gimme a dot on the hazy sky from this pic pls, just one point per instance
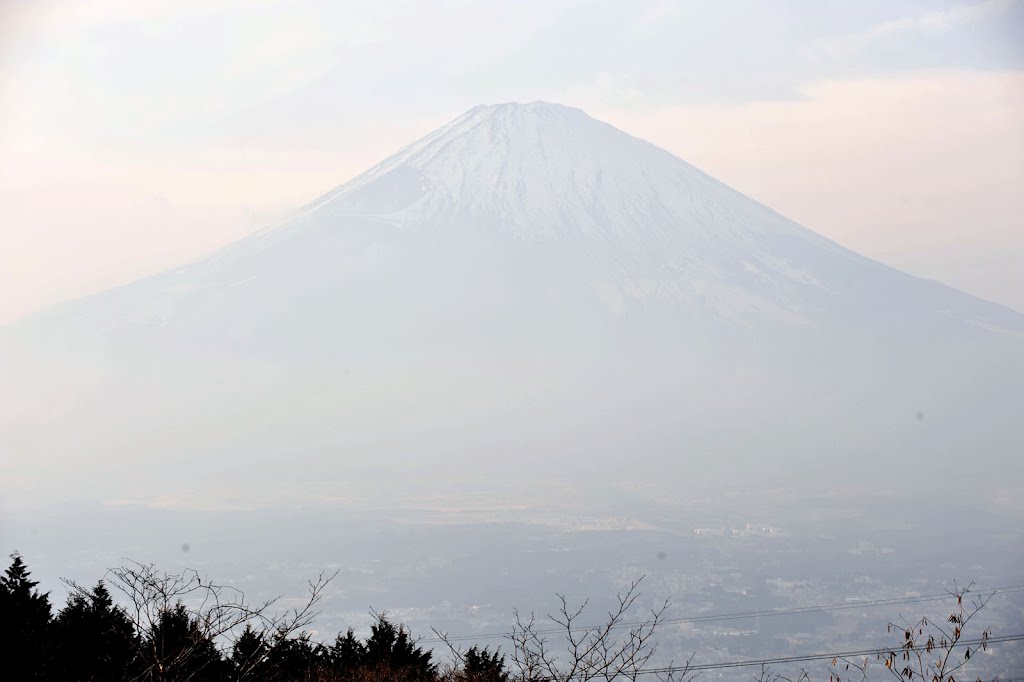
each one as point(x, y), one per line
point(137, 135)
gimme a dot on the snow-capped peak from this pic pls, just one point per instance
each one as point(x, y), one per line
point(545, 171)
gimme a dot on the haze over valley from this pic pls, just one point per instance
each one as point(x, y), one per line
point(531, 354)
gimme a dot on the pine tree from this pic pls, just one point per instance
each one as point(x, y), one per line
point(248, 655)
point(348, 653)
point(391, 651)
point(293, 659)
point(93, 639)
point(24, 624)
point(480, 665)
point(176, 648)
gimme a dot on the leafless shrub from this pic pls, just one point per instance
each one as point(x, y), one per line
point(217, 614)
point(614, 650)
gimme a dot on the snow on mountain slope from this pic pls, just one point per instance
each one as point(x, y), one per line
point(641, 224)
point(559, 190)
point(525, 282)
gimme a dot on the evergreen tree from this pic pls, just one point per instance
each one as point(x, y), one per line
point(294, 659)
point(24, 624)
point(348, 653)
point(176, 648)
point(480, 665)
point(391, 651)
point(248, 656)
point(93, 639)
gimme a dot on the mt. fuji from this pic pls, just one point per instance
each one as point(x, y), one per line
point(526, 293)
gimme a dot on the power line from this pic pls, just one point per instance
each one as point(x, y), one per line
point(816, 657)
point(767, 613)
point(806, 658)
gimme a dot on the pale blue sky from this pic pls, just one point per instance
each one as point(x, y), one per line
point(136, 135)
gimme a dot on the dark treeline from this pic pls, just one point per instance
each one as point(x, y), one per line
point(140, 624)
point(176, 635)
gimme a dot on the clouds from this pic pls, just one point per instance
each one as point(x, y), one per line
point(981, 35)
point(931, 24)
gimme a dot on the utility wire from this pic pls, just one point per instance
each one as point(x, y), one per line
point(714, 618)
point(816, 657)
point(806, 658)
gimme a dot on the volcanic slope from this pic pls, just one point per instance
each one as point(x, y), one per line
point(526, 293)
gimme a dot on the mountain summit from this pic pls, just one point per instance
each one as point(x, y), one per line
point(639, 225)
point(524, 284)
point(548, 173)
point(545, 171)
